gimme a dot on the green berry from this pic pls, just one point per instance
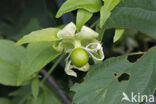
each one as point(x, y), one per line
point(79, 57)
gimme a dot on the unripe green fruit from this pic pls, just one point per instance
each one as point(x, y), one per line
point(79, 57)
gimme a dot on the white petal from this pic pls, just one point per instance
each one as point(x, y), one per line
point(95, 49)
point(87, 33)
point(83, 68)
point(94, 46)
point(68, 68)
point(67, 32)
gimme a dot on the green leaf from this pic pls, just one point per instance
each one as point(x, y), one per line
point(48, 34)
point(10, 59)
point(46, 97)
point(37, 55)
point(35, 88)
point(49, 97)
point(134, 14)
point(21, 92)
point(102, 85)
point(104, 15)
point(82, 17)
point(5, 101)
point(32, 25)
point(118, 34)
point(101, 33)
point(105, 11)
point(70, 5)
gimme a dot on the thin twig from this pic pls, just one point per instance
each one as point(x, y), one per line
point(94, 24)
point(136, 53)
point(54, 84)
point(52, 68)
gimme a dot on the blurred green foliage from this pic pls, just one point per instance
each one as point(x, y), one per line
point(20, 17)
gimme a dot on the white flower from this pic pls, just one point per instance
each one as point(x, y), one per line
point(85, 39)
point(87, 33)
point(67, 32)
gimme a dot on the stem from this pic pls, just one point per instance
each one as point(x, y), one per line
point(52, 68)
point(77, 43)
point(24, 99)
point(136, 53)
point(54, 84)
point(94, 24)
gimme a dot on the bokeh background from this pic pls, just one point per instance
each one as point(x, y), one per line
point(20, 17)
